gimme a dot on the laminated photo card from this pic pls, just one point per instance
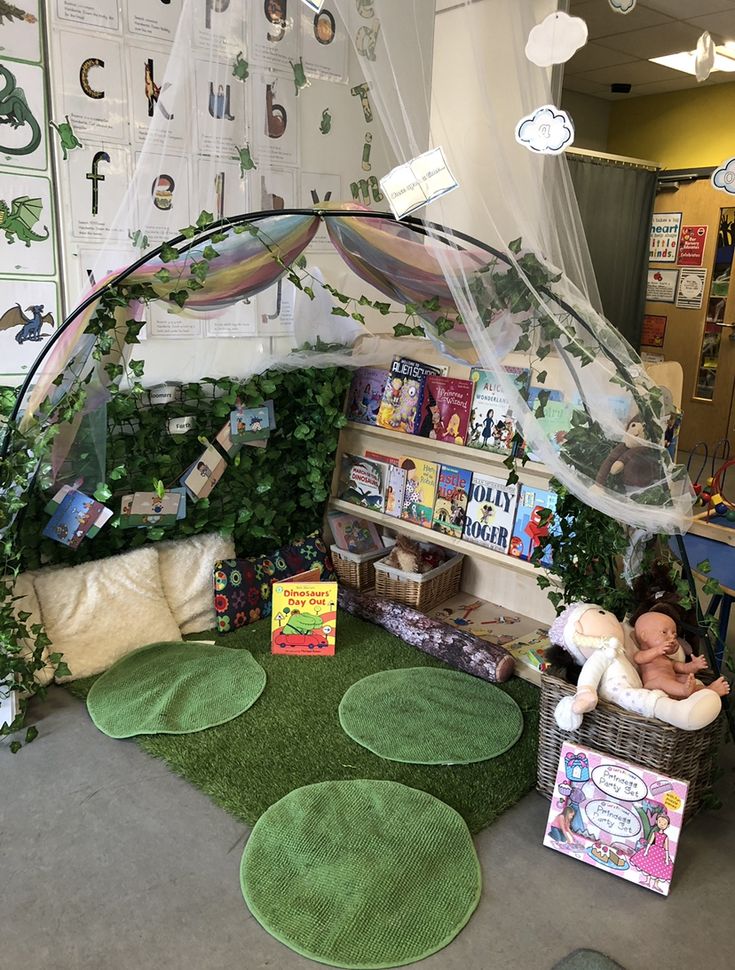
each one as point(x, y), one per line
point(616, 816)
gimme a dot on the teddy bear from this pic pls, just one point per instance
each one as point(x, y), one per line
point(596, 640)
point(633, 459)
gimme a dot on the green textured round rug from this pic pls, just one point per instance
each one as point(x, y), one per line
point(361, 874)
point(174, 688)
point(430, 716)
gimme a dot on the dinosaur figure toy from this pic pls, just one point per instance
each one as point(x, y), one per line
point(14, 111)
point(17, 222)
point(68, 139)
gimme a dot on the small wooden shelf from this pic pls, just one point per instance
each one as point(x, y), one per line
point(437, 538)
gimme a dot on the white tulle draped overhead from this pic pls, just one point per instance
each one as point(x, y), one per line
point(273, 106)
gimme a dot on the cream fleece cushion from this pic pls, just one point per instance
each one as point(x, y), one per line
point(186, 572)
point(97, 612)
point(23, 586)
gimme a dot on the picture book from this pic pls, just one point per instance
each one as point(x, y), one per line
point(492, 424)
point(554, 424)
point(616, 816)
point(529, 653)
point(145, 509)
point(8, 702)
point(452, 496)
point(365, 394)
point(489, 621)
point(419, 494)
point(490, 512)
point(400, 407)
point(362, 482)
point(72, 519)
point(386, 459)
point(92, 531)
point(532, 522)
point(445, 412)
point(395, 489)
point(353, 534)
point(204, 474)
point(249, 424)
point(304, 618)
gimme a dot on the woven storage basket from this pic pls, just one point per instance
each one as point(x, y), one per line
point(420, 590)
point(355, 569)
point(687, 755)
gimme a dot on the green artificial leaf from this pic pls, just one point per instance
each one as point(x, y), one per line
point(300, 262)
point(704, 567)
point(443, 325)
point(158, 487)
point(218, 237)
point(338, 311)
point(163, 275)
point(179, 297)
point(117, 472)
point(188, 232)
point(309, 292)
point(205, 219)
point(541, 377)
point(31, 734)
point(137, 367)
point(515, 246)
point(102, 493)
point(209, 252)
point(401, 330)
point(168, 254)
point(62, 670)
point(15, 747)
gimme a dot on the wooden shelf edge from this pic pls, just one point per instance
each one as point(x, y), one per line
point(438, 538)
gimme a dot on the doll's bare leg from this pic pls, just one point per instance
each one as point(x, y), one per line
point(720, 687)
point(672, 685)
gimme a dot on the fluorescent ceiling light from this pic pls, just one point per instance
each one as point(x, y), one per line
point(684, 61)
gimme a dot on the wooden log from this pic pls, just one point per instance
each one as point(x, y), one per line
point(459, 649)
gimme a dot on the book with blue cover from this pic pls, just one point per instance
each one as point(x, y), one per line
point(73, 518)
point(533, 522)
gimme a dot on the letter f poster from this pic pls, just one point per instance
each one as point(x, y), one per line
point(304, 618)
point(616, 816)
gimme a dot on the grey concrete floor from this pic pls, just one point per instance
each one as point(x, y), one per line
point(108, 861)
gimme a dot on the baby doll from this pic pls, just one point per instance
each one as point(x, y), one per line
point(661, 659)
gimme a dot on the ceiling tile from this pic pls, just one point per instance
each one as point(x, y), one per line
point(720, 25)
point(602, 21)
point(583, 86)
point(592, 55)
point(656, 41)
point(637, 72)
point(690, 9)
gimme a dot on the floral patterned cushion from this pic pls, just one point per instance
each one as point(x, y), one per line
point(242, 587)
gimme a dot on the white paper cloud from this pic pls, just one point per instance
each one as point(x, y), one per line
point(723, 178)
point(704, 60)
point(622, 6)
point(556, 39)
point(549, 130)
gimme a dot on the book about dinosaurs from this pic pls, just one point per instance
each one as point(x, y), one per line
point(533, 522)
point(446, 409)
point(304, 619)
point(452, 496)
point(366, 393)
point(400, 408)
point(490, 512)
point(362, 482)
point(492, 422)
point(419, 494)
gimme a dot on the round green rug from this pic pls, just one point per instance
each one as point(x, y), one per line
point(174, 688)
point(430, 716)
point(361, 874)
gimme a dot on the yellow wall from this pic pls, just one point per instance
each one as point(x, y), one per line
point(682, 129)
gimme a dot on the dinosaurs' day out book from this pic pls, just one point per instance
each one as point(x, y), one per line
point(452, 496)
point(446, 409)
point(400, 408)
point(362, 482)
point(304, 619)
point(366, 393)
point(533, 522)
point(419, 494)
point(490, 512)
point(492, 421)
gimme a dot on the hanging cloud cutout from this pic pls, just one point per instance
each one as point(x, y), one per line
point(622, 6)
point(704, 59)
point(556, 39)
point(723, 178)
point(548, 130)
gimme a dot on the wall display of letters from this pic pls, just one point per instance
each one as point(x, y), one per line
point(92, 85)
point(163, 195)
point(102, 14)
point(315, 189)
point(222, 188)
point(157, 21)
point(661, 285)
point(275, 308)
point(275, 113)
point(664, 242)
point(276, 190)
point(220, 102)
point(273, 32)
point(97, 181)
point(91, 271)
point(153, 98)
point(29, 314)
point(23, 135)
point(218, 27)
point(21, 37)
point(324, 44)
point(27, 231)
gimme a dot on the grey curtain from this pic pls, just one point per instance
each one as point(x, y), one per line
point(616, 203)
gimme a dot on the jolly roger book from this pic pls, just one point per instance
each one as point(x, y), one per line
point(491, 513)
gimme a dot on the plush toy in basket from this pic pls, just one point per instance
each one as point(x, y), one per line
point(411, 557)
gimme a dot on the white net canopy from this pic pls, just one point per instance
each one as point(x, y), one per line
point(281, 119)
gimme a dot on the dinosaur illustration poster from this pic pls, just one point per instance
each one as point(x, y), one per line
point(159, 104)
point(221, 189)
point(90, 14)
point(218, 27)
point(274, 33)
point(26, 226)
point(220, 108)
point(29, 315)
point(324, 43)
point(23, 128)
point(317, 188)
point(276, 111)
point(90, 81)
point(96, 183)
point(20, 32)
point(156, 21)
point(163, 200)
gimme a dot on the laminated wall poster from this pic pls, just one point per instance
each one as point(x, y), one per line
point(27, 232)
point(90, 73)
point(20, 37)
point(324, 43)
point(616, 816)
point(26, 142)
point(664, 241)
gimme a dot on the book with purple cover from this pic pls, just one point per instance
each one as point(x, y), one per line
point(366, 393)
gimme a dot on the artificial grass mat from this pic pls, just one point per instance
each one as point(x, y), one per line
point(292, 735)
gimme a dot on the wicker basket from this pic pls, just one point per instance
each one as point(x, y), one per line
point(687, 755)
point(420, 590)
point(355, 569)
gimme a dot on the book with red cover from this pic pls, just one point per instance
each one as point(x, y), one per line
point(446, 409)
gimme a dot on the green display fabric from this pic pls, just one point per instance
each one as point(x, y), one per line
point(430, 716)
point(361, 873)
point(174, 688)
point(587, 960)
point(292, 736)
